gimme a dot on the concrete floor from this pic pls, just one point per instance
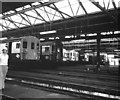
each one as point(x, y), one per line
point(18, 91)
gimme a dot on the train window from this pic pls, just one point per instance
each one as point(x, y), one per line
point(66, 55)
point(24, 44)
point(46, 49)
point(74, 54)
point(32, 45)
point(37, 46)
point(7, 44)
point(17, 45)
point(53, 48)
point(70, 55)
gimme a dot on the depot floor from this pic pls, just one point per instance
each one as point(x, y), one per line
point(19, 91)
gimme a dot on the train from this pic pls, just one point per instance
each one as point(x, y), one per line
point(29, 51)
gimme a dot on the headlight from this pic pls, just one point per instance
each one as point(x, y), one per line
point(17, 56)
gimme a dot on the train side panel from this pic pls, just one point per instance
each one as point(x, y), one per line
point(30, 49)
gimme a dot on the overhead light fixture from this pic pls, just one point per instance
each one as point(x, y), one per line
point(67, 36)
point(47, 32)
point(57, 38)
point(42, 39)
point(83, 35)
point(71, 36)
point(51, 38)
point(3, 38)
point(116, 32)
point(94, 34)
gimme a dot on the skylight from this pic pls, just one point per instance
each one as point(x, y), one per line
point(61, 9)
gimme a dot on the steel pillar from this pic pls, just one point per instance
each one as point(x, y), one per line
point(119, 55)
point(98, 51)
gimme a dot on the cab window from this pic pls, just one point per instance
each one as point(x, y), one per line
point(53, 48)
point(24, 44)
point(46, 49)
point(37, 46)
point(17, 45)
point(32, 45)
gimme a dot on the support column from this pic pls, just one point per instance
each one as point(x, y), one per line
point(59, 50)
point(9, 52)
point(119, 54)
point(98, 51)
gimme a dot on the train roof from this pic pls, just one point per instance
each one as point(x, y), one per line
point(15, 39)
point(10, 40)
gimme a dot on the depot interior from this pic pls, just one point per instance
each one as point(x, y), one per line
point(84, 33)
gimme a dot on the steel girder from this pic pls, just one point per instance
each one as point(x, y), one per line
point(80, 3)
point(28, 9)
point(103, 9)
point(58, 11)
point(48, 4)
point(98, 22)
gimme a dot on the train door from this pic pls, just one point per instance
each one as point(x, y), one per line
point(24, 49)
point(38, 50)
point(46, 52)
point(15, 50)
point(59, 51)
point(30, 48)
point(32, 51)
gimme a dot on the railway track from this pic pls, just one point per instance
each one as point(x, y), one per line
point(88, 70)
point(92, 69)
point(79, 74)
point(76, 73)
point(80, 86)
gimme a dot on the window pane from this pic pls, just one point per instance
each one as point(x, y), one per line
point(17, 45)
point(53, 48)
point(46, 49)
point(32, 45)
point(24, 44)
point(37, 46)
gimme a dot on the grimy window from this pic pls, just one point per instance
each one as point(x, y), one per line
point(17, 45)
point(24, 44)
point(32, 45)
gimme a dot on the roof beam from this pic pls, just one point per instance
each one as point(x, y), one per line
point(6, 23)
point(106, 24)
point(71, 7)
point(51, 13)
point(58, 11)
point(46, 13)
point(113, 2)
point(108, 5)
point(32, 16)
point(16, 22)
point(25, 19)
point(4, 26)
point(101, 8)
point(10, 20)
point(27, 9)
point(80, 3)
point(39, 14)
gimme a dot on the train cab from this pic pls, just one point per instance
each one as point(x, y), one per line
point(51, 51)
